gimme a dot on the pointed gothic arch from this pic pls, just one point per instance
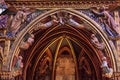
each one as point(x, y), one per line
point(29, 29)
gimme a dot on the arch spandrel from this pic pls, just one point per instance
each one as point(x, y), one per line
point(30, 28)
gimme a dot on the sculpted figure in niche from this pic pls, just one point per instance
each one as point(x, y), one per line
point(107, 70)
point(26, 44)
point(96, 42)
point(107, 19)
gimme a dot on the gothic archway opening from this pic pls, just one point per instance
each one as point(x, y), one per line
point(70, 41)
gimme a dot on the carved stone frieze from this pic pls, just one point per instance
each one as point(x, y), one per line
point(60, 4)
